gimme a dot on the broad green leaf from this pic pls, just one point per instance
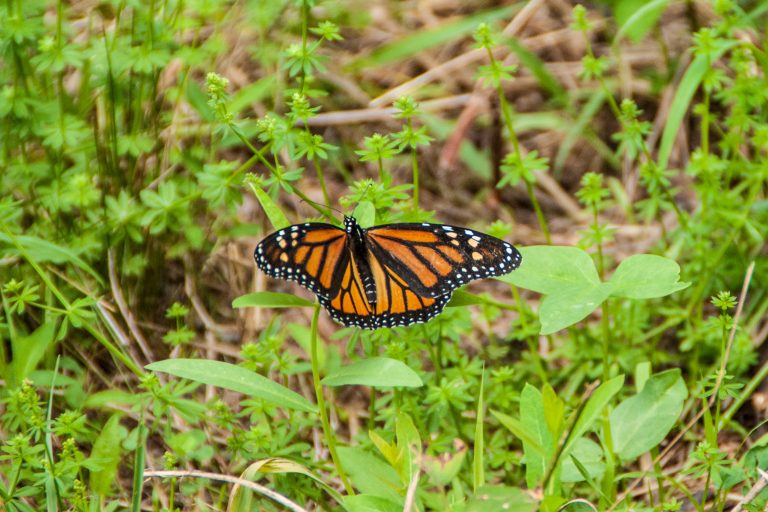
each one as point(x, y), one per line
point(275, 215)
point(646, 276)
point(42, 251)
point(270, 300)
point(590, 455)
point(371, 503)
point(642, 374)
point(682, 100)
point(106, 455)
point(493, 498)
point(443, 468)
point(534, 422)
point(408, 444)
point(29, 350)
point(302, 335)
point(554, 411)
point(111, 398)
point(642, 421)
point(637, 18)
point(365, 213)
point(569, 305)
point(548, 269)
point(380, 372)
point(461, 298)
point(369, 474)
point(592, 410)
point(519, 430)
point(236, 378)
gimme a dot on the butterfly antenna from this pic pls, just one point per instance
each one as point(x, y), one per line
point(321, 205)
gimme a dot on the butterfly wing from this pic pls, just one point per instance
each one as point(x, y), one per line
point(309, 254)
point(396, 302)
point(435, 259)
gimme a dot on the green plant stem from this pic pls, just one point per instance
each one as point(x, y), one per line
point(506, 111)
point(321, 179)
point(330, 439)
point(533, 346)
point(539, 213)
point(415, 168)
point(260, 155)
point(304, 40)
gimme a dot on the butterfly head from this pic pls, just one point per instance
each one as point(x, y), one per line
point(353, 228)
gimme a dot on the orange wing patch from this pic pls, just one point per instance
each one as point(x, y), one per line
point(306, 253)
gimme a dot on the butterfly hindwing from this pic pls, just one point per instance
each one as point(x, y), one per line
point(396, 302)
point(435, 259)
point(309, 254)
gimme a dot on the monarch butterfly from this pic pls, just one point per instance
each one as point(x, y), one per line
point(384, 276)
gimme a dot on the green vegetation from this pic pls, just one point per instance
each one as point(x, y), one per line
point(146, 147)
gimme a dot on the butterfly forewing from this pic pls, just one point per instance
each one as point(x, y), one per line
point(309, 254)
point(435, 259)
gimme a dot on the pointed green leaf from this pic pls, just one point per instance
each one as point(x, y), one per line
point(236, 378)
point(569, 305)
point(548, 269)
point(590, 455)
point(534, 422)
point(270, 300)
point(642, 421)
point(646, 276)
point(380, 372)
point(592, 410)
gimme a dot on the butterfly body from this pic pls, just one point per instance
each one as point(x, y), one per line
point(384, 276)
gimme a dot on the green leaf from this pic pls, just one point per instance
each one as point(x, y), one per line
point(236, 378)
point(275, 215)
point(371, 503)
point(519, 430)
point(642, 421)
point(547, 269)
point(461, 298)
point(637, 18)
point(365, 213)
point(493, 498)
point(592, 410)
point(554, 411)
point(42, 251)
point(682, 100)
point(408, 445)
point(478, 465)
point(369, 474)
point(569, 305)
point(533, 420)
point(29, 350)
point(380, 372)
point(646, 276)
point(242, 498)
point(270, 300)
point(106, 455)
point(590, 455)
